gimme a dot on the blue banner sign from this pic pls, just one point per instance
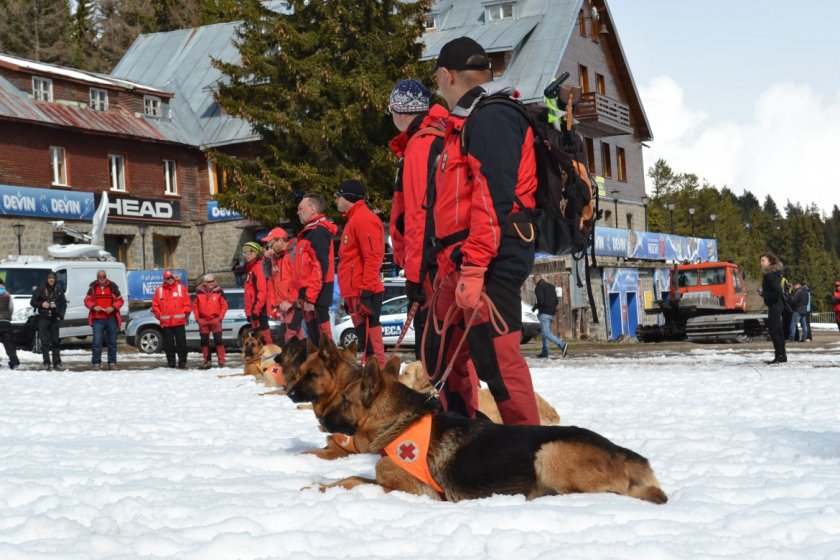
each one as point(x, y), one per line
point(216, 213)
point(46, 203)
point(143, 283)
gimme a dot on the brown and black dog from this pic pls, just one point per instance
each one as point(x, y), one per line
point(459, 458)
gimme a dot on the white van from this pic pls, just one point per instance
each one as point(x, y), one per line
point(23, 274)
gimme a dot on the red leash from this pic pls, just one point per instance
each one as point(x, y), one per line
point(408, 319)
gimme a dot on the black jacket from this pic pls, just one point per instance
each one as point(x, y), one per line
point(546, 298)
point(771, 284)
point(800, 299)
point(56, 296)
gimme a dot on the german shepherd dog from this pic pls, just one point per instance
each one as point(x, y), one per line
point(468, 459)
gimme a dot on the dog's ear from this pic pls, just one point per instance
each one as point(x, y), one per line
point(392, 367)
point(352, 347)
point(371, 382)
point(310, 348)
point(328, 352)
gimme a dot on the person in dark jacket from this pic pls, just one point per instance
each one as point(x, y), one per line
point(546, 307)
point(800, 302)
point(7, 335)
point(771, 291)
point(50, 304)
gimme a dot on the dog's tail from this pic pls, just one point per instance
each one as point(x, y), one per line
point(643, 483)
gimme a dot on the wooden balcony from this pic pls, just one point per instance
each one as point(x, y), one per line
point(599, 116)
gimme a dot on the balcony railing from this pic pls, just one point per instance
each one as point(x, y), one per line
point(599, 115)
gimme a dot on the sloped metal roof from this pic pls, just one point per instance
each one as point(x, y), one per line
point(17, 105)
point(181, 62)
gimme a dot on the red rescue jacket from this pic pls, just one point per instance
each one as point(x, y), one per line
point(476, 191)
point(255, 287)
point(280, 282)
point(210, 304)
point(107, 295)
point(171, 304)
point(360, 252)
point(836, 307)
point(313, 264)
point(418, 148)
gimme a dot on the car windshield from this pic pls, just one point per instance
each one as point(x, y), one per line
point(24, 281)
point(395, 306)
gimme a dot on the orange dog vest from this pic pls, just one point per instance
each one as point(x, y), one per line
point(410, 451)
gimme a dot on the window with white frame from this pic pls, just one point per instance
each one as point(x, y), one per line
point(42, 89)
point(151, 106)
point(98, 99)
point(116, 167)
point(58, 165)
point(170, 177)
point(431, 21)
point(499, 11)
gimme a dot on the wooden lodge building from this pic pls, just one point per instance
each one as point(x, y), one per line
point(141, 133)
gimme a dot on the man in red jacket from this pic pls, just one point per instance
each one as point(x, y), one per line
point(418, 146)
point(210, 309)
point(485, 237)
point(313, 266)
point(282, 303)
point(360, 254)
point(256, 294)
point(104, 301)
point(836, 301)
point(171, 307)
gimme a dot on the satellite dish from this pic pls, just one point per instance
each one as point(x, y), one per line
point(95, 246)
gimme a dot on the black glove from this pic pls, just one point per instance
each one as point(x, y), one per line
point(254, 318)
point(366, 303)
point(414, 292)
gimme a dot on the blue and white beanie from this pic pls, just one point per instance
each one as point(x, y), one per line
point(409, 96)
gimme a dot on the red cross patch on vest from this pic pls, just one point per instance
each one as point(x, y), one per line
point(410, 450)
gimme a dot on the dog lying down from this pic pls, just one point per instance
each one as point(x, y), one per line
point(444, 456)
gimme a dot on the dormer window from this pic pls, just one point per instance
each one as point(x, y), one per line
point(42, 89)
point(498, 12)
point(151, 106)
point(98, 99)
point(431, 21)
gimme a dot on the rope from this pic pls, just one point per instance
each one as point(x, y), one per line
point(408, 319)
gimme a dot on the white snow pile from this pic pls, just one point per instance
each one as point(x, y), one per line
point(160, 463)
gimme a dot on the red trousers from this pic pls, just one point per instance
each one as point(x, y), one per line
point(496, 357)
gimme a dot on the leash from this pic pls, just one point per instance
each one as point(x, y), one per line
point(408, 319)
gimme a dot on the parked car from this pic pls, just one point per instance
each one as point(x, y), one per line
point(394, 313)
point(143, 330)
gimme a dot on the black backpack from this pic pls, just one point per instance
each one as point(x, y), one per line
point(567, 195)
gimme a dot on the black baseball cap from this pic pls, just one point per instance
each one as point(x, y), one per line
point(462, 53)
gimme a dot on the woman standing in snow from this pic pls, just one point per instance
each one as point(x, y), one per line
point(771, 291)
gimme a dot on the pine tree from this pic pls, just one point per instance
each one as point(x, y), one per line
point(37, 30)
point(314, 85)
point(85, 52)
point(217, 11)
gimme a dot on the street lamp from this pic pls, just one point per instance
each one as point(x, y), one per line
point(713, 217)
point(645, 202)
point(615, 200)
point(200, 229)
point(671, 207)
point(691, 212)
point(18, 228)
point(142, 230)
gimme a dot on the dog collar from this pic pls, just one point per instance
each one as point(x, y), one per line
point(410, 450)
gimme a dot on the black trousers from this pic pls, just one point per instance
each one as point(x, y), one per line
point(50, 343)
point(777, 330)
point(7, 335)
point(175, 341)
point(317, 323)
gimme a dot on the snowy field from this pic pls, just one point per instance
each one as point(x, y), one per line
point(157, 463)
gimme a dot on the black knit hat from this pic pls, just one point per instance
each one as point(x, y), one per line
point(352, 190)
point(462, 53)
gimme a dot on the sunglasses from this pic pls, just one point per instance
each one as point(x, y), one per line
point(102, 277)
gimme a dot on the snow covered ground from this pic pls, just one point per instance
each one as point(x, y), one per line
point(156, 463)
